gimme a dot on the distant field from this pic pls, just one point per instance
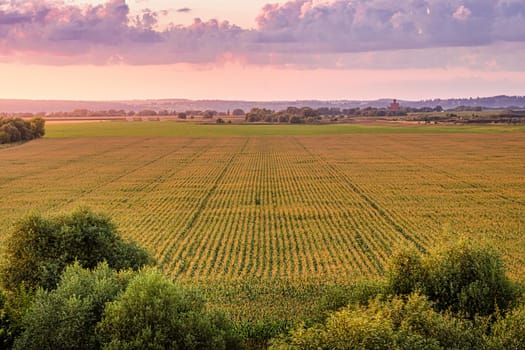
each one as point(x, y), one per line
point(170, 128)
point(290, 210)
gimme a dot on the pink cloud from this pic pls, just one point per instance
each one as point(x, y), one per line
point(293, 32)
point(462, 13)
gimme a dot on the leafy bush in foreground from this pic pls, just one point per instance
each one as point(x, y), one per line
point(65, 318)
point(509, 332)
point(465, 278)
point(39, 248)
point(154, 313)
point(397, 323)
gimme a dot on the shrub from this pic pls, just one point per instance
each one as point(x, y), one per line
point(65, 318)
point(154, 313)
point(406, 272)
point(38, 249)
point(465, 278)
point(470, 279)
point(509, 332)
point(17, 129)
point(6, 327)
point(398, 323)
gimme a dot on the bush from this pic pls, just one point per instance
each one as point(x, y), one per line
point(17, 129)
point(398, 323)
point(465, 278)
point(66, 317)
point(38, 249)
point(470, 279)
point(6, 327)
point(406, 272)
point(154, 313)
point(509, 332)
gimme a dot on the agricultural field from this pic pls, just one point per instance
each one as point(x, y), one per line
point(263, 219)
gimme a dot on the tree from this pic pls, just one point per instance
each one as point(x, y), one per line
point(146, 113)
point(209, 114)
point(39, 248)
point(296, 120)
point(65, 318)
point(509, 332)
point(395, 323)
point(154, 313)
point(465, 278)
point(17, 129)
point(6, 326)
point(38, 127)
point(238, 112)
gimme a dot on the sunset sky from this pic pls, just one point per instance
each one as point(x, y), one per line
point(240, 49)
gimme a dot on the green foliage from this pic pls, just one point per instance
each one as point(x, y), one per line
point(38, 127)
point(509, 332)
point(6, 327)
point(470, 279)
point(406, 272)
point(65, 318)
point(13, 306)
point(17, 129)
point(398, 323)
point(465, 278)
point(39, 248)
point(154, 313)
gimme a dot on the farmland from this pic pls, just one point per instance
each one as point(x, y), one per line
point(288, 209)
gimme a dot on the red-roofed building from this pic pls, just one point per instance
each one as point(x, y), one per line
point(394, 106)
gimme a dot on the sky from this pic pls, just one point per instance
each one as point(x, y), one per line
point(254, 50)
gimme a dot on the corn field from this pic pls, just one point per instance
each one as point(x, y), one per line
point(264, 225)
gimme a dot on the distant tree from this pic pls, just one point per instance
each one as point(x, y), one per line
point(17, 129)
point(181, 115)
point(209, 114)
point(38, 127)
point(39, 248)
point(308, 112)
point(296, 120)
point(238, 112)
point(283, 118)
point(146, 113)
point(269, 118)
point(220, 121)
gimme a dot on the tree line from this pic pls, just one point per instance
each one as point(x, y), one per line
point(18, 129)
point(254, 115)
point(307, 115)
point(70, 282)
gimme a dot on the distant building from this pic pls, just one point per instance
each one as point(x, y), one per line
point(394, 106)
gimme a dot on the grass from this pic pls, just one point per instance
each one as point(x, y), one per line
point(261, 222)
point(167, 128)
